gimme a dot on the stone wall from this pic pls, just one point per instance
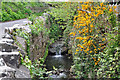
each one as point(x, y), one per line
point(38, 9)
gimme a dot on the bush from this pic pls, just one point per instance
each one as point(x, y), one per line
point(89, 39)
point(18, 10)
point(63, 14)
point(55, 31)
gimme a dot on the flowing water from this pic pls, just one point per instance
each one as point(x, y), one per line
point(58, 61)
point(61, 62)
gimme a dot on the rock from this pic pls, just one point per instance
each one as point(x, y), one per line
point(22, 72)
point(62, 75)
point(6, 71)
point(46, 20)
point(21, 41)
point(52, 76)
point(61, 70)
point(1, 43)
point(7, 36)
point(11, 58)
point(71, 69)
point(58, 44)
point(53, 50)
point(7, 40)
point(2, 62)
point(8, 53)
point(7, 47)
point(3, 74)
point(27, 22)
point(27, 29)
point(17, 26)
point(8, 29)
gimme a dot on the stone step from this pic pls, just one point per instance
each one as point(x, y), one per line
point(7, 47)
point(6, 68)
point(17, 26)
point(7, 36)
point(9, 53)
point(13, 28)
point(6, 71)
point(1, 42)
point(11, 58)
point(7, 40)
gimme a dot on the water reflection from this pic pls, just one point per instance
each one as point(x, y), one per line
point(59, 62)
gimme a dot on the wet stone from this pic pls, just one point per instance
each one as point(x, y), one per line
point(58, 45)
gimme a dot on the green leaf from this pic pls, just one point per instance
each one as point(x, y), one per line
point(54, 68)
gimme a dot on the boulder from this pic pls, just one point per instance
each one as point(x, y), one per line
point(53, 50)
point(58, 46)
point(22, 72)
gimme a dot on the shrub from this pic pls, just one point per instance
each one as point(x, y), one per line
point(89, 38)
point(18, 10)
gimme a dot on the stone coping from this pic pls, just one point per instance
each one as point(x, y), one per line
point(9, 53)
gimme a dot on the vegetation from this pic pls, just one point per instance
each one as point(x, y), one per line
point(94, 35)
point(90, 29)
point(93, 42)
point(37, 42)
point(18, 10)
point(36, 68)
point(36, 50)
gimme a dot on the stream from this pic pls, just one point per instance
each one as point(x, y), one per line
point(60, 62)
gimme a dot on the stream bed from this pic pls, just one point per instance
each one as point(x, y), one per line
point(60, 62)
